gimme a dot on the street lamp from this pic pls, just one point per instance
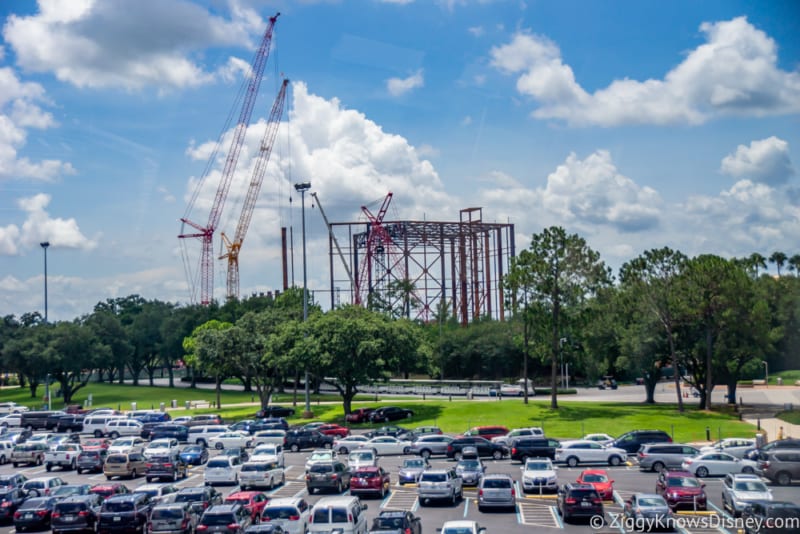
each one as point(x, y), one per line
point(766, 372)
point(301, 188)
point(44, 245)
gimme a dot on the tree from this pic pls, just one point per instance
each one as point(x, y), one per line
point(76, 352)
point(108, 329)
point(757, 261)
point(211, 348)
point(794, 264)
point(652, 277)
point(560, 273)
point(779, 259)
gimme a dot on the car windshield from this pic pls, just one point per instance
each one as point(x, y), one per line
point(750, 485)
point(414, 464)
point(365, 474)
point(434, 477)
point(159, 445)
point(66, 491)
point(70, 507)
point(193, 449)
point(118, 506)
point(537, 466)
point(469, 465)
point(320, 455)
point(497, 483)
point(683, 482)
point(652, 501)
point(213, 520)
point(265, 450)
point(387, 523)
point(595, 478)
point(279, 512)
point(238, 500)
point(117, 459)
point(189, 496)
point(361, 456)
point(218, 462)
point(457, 530)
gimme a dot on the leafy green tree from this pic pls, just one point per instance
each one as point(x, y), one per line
point(561, 272)
point(25, 352)
point(794, 264)
point(108, 329)
point(76, 351)
point(757, 261)
point(212, 349)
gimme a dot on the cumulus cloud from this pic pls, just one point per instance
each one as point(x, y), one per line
point(401, 86)
point(88, 44)
point(765, 160)
point(734, 72)
point(20, 110)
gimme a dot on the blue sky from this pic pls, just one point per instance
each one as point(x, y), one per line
point(635, 124)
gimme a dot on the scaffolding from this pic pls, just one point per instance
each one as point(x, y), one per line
point(425, 265)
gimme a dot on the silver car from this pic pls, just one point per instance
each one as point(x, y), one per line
point(440, 484)
point(173, 518)
point(496, 491)
point(430, 445)
point(411, 470)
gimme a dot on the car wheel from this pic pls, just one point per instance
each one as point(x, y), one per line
point(339, 487)
point(98, 433)
point(425, 453)
point(342, 450)
point(79, 470)
point(454, 498)
point(283, 479)
point(48, 467)
point(701, 472)
point(748, 470)
point(114, 435)
point(457, 456)
point(615, 460)
point(406, 450)
point(658, 467)
point(327, 446)
point(295, 447)
point(108, 477)
point(497, 455)
point(38, 460)
point(33, 493)
point(73, 466)
point(3, 460)
point(15, 464)
point(572, 461)
point(783, 478)
point(133, 474)
point(148, 479)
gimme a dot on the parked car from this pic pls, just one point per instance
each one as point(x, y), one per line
point(770, 517)
point(222, 470)
point(461, 526)
point(336, 431)
point(430, 445)
point(602, 439)
point(717, 463)
point(160, 447)
point(660, 456)
point(69, 490)
point(35, 513)
point(91, 444)
point(578, 501)
point(205, 420)
point(631, 441)
point(484, 447)
point(292, 514)
point(411, 470)
point(487, 432)
point(127, 444)
point(359, 415)
point(172, 518)
point(788, 443)
point(127, 512)
point(307, 439)
point(159, 493)
point(64, 456)
point(539, 475)
point(35, 420)
point(225, 518)
point(28, 454)
point(496, 491)
point(10, 500)
point(91, 460)
point(740, 490)
point(199, 497)
point(737, 447)
point(70, 423)
point(387, 430)
point(200, 434)
point(512, 435)
point(440, 484)
point(194, 455)
point(332, 475)
point(275, 411)
point(395, 521)
point(122, 427)
point(470, 470)
point(229, 440)
point(577, 452)
point(42, 486)
point(261, 475)
point(370, 481)
point(387, 445)
point(130, 465)
point(14, 480)
point(167, 466)
point(276, 436)
point(109, 489)
point(338, 514)
point(170, 430)
point(390, 413)
point(362, 458)
point(649, 509)
point(78, 513)
point(780, 466)
point(268, 452)
point(533, 447)
point(681, 490)
point(95, 423)
point(599, 480)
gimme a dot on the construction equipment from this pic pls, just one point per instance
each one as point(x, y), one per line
point(250, 88)
point(333, 237)
point(260, 170)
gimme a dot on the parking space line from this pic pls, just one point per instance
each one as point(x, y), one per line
point(556, 517)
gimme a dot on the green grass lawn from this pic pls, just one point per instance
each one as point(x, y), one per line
point(789, 377)
point(792, 417)
point(572, 419)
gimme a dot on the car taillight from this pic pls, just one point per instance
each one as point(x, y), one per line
point(349, 518)
point(407, 531)
point(167, 465)
point(513, 451)
point(571, 500)
point(597, 501)
point(5, 504)
point(56, 515)
point(17, 515)
point(449, 448)
point(41, 513)
point(205, 505)
point(148, 465)
point(233, 526)
point(513, 492)
point(641, 454)
point(83, 513)
point(295, 518)
point(202, 527)
point(480, 492)
point(334, 476)
point(669, 439)
point(688, 460)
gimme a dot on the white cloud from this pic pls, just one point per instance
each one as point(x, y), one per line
point(166, 196)
point(734, 72)
point(88, 43)
point(40, 226)
point(476, 31)
point(234, 69)
point(466, 121)
point(401, 86)
point(765, 160)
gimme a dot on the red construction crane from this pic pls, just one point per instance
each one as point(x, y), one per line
point(260, 170)
point(381, 262)
point(206, 233)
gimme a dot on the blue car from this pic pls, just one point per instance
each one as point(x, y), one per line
point(194, 455)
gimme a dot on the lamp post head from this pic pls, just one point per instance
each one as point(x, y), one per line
point(302, 187)
point(44, 244)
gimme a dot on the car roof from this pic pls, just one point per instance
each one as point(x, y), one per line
point(392, 513)
point(224, 508)
point(678, 474)
point(285, 501)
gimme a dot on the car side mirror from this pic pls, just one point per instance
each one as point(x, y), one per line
point(611, 481)
point(703, 485)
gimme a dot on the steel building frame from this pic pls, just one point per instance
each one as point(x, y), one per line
point(458, 263)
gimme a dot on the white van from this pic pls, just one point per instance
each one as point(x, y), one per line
point(96, 424)
point(122, 427)
point(342, 514)
point(200, 435)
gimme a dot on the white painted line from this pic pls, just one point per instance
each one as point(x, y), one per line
point(466, 506)
point(556, 517)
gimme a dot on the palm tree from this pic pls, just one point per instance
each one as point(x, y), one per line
point(779, 259)
point(794, 264)
point(756, 261)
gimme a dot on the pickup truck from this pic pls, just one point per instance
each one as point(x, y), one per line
point(64, 456)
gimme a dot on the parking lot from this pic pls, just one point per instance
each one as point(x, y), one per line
point(532, 511)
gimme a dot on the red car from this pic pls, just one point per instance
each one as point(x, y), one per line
point(96, 443)
point(360, 415)
point(334, 430)
point(254, 501)
point(598, 478)
point(681, 490)
point(370, 480)
point(110, 489)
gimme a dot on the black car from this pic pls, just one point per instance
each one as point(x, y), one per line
point(772, 517)
point(524, 448)
point(124, 513)
point(91, 461)
point(397, 521)
point(70, 423)
point(390, 413)
point(35, 420)
point(10, 500)
point(631, 441)
point(579, 500)
point(201, 497)
point(167, 430)
point(147, 429)
point(485, 448)
point(167, 466)
point(272, 423)
point(275, 411)
point(78, 513)
point(51, 421)
point(34, 513)
point(221, 517)
point(14, 480)
point(307, 439)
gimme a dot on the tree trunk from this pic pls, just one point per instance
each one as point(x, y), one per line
point(247, 381)
point(294, 392)
point(732, 392)
point(676, 370)
point(554, 364)
point(171, 377)
point(650, 391)
point(21, 380)
point(33, 386)
point(193, 377)
point(525, 357)
point(709, 385)
point(150, 373)
point(121, 375)
point(218, 381)
point(347, 398)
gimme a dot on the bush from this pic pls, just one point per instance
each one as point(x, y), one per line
point(541, 392)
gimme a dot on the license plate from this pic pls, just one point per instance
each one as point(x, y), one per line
point(117, 518)
point(29, 516)
point(69, 518)
point(585, 504)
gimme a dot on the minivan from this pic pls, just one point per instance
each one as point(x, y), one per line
point(631, 441)
point(343, 514)
point(96, 424)
point(780, 466)
point(658, 456)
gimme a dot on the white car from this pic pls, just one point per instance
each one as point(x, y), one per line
point(461, 526)
point(539, 475)
point(12, 420)
point(261, 475)
point(602, 439)
point(291, 513)
point(717, 463)
point(738, 491)
point(582, 451)
point(345, 445)
point(518, 433)
point(12, 407)
point(159, 493)
point(222, 470)
point(161, 446)
point(268, 452)
point(362, 458)
point(5, 451)
point(320, 455)
point(737, 447)
point(230, 440)
point(122, 427)
point(276, 436)
point(122, 445)
point(384, 445)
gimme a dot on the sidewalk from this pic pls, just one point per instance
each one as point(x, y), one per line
point(772, 427)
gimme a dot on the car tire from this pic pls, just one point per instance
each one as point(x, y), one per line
point(79, 470)
point(784, 478)
point(98, 433)
point(614, 461)
point(497, 455)
point(701, 472)
point(454, 498)
point(343, 450)
point(219, 446)
point(149, 479)
point(73, 466)
point(39, 460)
point(572, 461)
point(295, 447)
point(327, 445)
point(108, 477)
point(406, 450)
point(114, 435)
point(425, 454)
point(657, 467)
point(3, 460)
point(15, 464)
point(48, 467)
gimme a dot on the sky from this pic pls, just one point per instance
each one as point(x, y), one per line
point(636, 125)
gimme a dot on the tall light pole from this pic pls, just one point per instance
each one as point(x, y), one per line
point(301, 188)
point(44, 245)
point(766, 372)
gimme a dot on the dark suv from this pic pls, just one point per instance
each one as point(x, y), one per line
point(484, 447)
point(78, 513)
point(170, 430)
point(770, 517)
point(389, 413)
point(631, 441)
point(788, 443)
point(221, 517)
point(91, 461)
point(307, 439)
point(579, 500)
point(125, 513)
point(200, 497)
point(780, 466)
point(524, 448)
point(166, 466)
point(328, 475)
